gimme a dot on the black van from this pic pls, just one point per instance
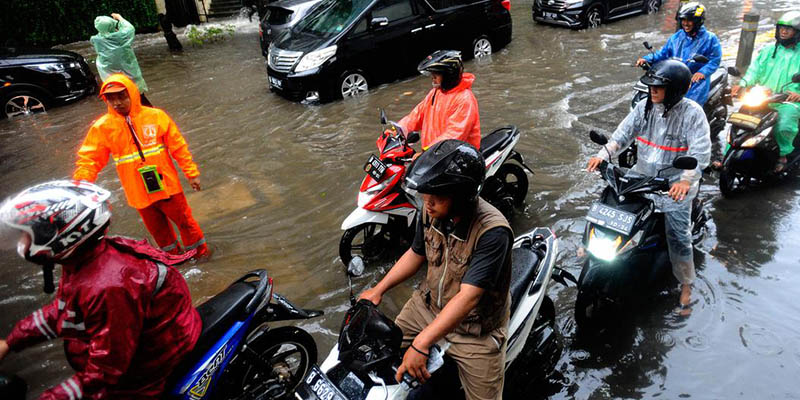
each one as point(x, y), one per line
point(344, 47)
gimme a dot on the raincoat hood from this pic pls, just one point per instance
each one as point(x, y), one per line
point(467, 80)
point(105, 25)
point(133, 92)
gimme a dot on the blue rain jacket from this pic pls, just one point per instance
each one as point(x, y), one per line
point(685, 47)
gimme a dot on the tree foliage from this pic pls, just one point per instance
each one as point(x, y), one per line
point(44, 23)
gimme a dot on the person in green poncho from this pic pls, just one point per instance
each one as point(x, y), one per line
point(774, 68)
point(114, 52)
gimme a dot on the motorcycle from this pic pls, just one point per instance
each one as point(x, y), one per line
point(716, 107)
point(626, 243)
point(386, 214)
point(363, 364)
point(753, 152)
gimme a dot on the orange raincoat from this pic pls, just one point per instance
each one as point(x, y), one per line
point(451, 114)
point(159, 138)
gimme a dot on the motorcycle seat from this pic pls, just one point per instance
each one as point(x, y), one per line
point(524, 266)
point(219, 312)
point(718, 75)
point(495, 140)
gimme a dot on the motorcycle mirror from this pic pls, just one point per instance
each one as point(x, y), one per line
point(647, 45)
point(796, 78)
point(383, 117)
point(355, 267)
point(413, 137)
point(598, 138)
point(734, 71)
point(685, 162)
point(699, 58)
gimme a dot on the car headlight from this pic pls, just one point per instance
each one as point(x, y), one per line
point(315, 59)
point(53, 68)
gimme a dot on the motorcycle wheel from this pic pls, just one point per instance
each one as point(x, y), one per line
point(586, 310)
point(514, 180)
point(727, 182)
point(370, 241)
point(270, 365)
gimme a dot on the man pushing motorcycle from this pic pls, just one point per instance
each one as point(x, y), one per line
point(124, 313)
point(465, 296)
point(665, 127)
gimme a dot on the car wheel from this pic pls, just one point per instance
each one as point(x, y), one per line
point(481, 47)
point(651, 6)
point(594, 17)
point(353, 84)
point(18, 104)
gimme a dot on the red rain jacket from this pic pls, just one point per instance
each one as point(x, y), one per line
point(126, 321)
point(451, 114)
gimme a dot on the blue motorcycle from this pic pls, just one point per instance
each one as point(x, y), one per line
point(237, 355)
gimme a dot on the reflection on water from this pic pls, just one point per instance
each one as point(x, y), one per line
point(280, 177)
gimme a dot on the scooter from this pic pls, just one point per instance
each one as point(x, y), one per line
point(238, 355)
point(753, 152)
point(626, 244)
point(386, 213)
point(363, 364)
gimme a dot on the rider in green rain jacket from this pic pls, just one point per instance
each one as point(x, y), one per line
point(774, 68)
point(114, 52)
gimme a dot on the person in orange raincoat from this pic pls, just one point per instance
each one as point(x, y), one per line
point(450, 110)
point(141, 140)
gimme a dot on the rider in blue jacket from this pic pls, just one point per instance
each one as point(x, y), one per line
point(691, 40)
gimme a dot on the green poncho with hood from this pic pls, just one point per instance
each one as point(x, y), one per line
point(114, 52)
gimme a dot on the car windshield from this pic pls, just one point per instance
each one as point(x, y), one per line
point(331, 17)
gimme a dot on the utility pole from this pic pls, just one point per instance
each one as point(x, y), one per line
point(747, 41)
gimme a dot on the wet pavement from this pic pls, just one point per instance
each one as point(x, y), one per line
point(280, 177)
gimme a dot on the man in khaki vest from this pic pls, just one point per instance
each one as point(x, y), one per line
point(465, 296)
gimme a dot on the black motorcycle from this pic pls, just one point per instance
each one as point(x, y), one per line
point(753, 153)
point(626, 243)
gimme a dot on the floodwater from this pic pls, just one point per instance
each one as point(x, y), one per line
point(279, 178)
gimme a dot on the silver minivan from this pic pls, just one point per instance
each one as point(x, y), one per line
point(281, 16)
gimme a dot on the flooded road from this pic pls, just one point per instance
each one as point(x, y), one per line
point(280, 177)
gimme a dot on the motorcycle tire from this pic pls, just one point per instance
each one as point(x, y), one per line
point(374, 245)
point(586, 310)
point(727, 182)
point(270, 365)
point(517, 188)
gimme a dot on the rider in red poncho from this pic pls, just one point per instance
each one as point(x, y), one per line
point(450, 110)
point(124, 313)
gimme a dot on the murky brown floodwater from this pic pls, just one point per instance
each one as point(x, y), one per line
point(280, 177)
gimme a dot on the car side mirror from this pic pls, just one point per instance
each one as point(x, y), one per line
point(796, 78)
point(379, 21)
point(647, 45)
point(734, 71)
point(383, 116)
point(598, 138)
point(413, 137)
point(355, 267)
point(685, 162)
point(699, 58)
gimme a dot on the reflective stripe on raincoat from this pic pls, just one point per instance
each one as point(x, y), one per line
point(159, 138)
point(126, 318)
point(685, 47)
point(451, 114)
point(114, 52)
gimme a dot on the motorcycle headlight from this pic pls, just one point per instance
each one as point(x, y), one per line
point(603, 248)
point(755, 140)
point(755, 96)
point(315, 59)
point(53, 67)
point(377, 188)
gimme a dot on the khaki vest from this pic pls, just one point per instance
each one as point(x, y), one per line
point(448, 260)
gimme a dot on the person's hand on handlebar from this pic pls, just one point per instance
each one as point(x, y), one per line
point(793, 97)
point(641, 62)
point(698, 77)
point(415, 363)
point(3, 349)
point(372, 294)
point(593, 164)
point(679, 189)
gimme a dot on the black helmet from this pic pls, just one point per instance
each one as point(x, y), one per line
point(450, 167)
point(792, 20)
point(445, 62)
point(672, 74)
point(694, 12)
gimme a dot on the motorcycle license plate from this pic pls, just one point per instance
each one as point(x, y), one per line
point(375, 168)
point(317, 384)
point(611, 218)
point(276, 82)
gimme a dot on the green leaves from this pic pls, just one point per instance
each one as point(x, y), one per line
point(209, 33)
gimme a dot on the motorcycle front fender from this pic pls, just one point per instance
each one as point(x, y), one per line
point(361, 216)
point(281, 309)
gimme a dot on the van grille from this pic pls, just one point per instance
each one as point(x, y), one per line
point(552, 5)
point(283, 60)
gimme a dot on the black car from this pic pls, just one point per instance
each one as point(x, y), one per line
point(589, 13)
point(32, 80)
point(344, 47)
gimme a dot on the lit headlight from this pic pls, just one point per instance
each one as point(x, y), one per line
point(755, 97)
point(52, 68)
point(603, 248)
point(315, 59)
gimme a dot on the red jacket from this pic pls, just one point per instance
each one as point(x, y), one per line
point(451, 114)
point(123, 332)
